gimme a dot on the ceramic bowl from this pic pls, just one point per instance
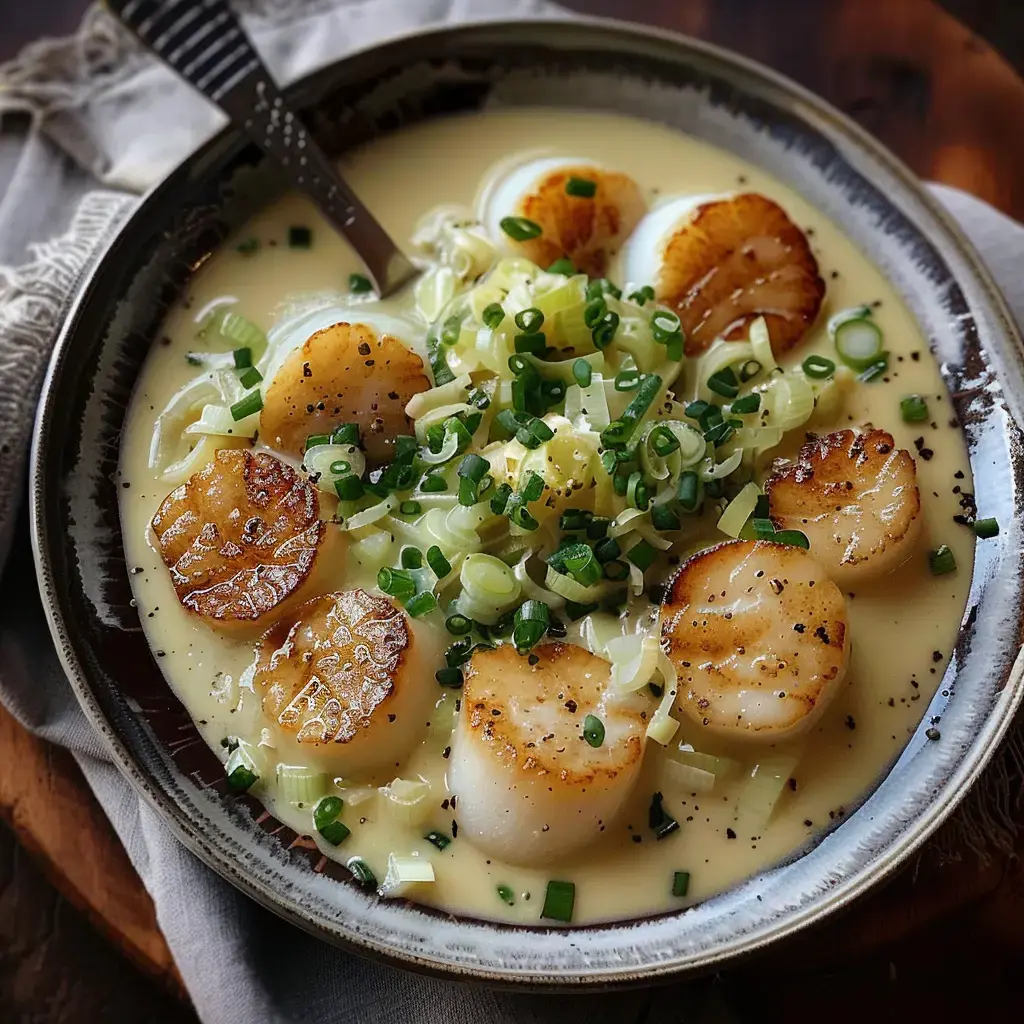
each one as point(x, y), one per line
point(691, 87)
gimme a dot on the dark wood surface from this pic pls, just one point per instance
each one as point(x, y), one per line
point(78, 937)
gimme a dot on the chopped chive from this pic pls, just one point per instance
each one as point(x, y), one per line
point(642, 295)
point(439, 565)
point(603, 334)
point(250, 378)
point(506, 895)
point(246, 406)
point(763, 527)
point(876, 369)
point(665, 326)
point(642, 555)
point(582, 188)
point(346, 433)
point(450, 677)
point(499, 499)
point(663, 441)
point(299, 237)
point(581, 564)
point(721, 432)
point(637, 493)
point(535, 344)
point(749, 370)
point(520, 229)
point(432, 483)
point(660, 821)
point(243, 358)
point(349, 488)
point(421, 604)
point(941, 561)
point(986, 528)
point(688, 491)
point(602, 286)
point(573, 519)
point(680, 883)
point(493, 315)
point(458, 625)
point(664, 518)
point(361, 873)
point(396, 582)
point(593, 730)
point(746, 404)
point(582, 372)
point(794, 538)
point(607, 550)
point(359, 284)
point(325, 819)
point(438, 839)
point(410, 508)
point(818, 367)
point(562, 266)
point(241, 778)
point(597, 528)
point(411, 557)
point(559, 899)
point(594, 311)
point(914, 409)
point(618, 433)
point(627, 380)
point(340, 467)
point(248, 246)
point(724, 383)
point(529, 320)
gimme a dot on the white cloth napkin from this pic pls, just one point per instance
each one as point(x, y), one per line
point(71, 114)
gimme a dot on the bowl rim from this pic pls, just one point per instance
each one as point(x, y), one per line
point(838, 129)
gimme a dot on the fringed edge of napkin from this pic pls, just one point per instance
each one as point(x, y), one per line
point(33, 300)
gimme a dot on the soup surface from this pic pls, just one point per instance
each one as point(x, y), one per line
point(753, 752)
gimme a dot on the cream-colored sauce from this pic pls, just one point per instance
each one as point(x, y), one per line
point(903, 626)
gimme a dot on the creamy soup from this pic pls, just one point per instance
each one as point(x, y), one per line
point(658, 800)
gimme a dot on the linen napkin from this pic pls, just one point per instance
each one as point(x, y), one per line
point(72, 114)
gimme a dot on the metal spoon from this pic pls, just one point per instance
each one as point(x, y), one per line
point(204, 43)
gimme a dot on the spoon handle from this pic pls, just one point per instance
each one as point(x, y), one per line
point(204, 43)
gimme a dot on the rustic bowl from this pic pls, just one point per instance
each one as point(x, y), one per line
point(693, 87)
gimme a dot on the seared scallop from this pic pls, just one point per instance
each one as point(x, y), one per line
point(734, 260)
point(530, 786)
point(339, 680)
point(584, 212)
point(759, 637)
point(240, 538)
point(855, 496)
point(346, 373)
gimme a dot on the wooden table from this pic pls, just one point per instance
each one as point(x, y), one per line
point(952, 108)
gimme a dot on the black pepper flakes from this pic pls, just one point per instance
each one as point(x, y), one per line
point(729, 834)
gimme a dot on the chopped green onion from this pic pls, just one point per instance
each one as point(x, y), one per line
point(421, 604)
point(746, 404)
point(432, 483)
point(250, 378)
point(499, 499)
point(594, 311)
point(941, 561)
point(493, 315)
point(520, 229)
point(531, 623)
point(241, 778)
point(562, 266)
point(660, 821)
point(616, 571)
point(688, 492)
point(299, 237)
point(724, 383)
point(627, 380)
point(582, 372)
point(349, 488)
point(663, 441)
point(410, 508)
point(451, 329)
point(581, 564)
point(680, 883)
point(582, 188)
point(346, 433)
point(325, 820)
point(458, 625)
point(818, 367)
point(875, 370)
point(601, 286)
point(573, 519)
point(722, 432)
point(764, 528)
point(361, 873)
point(619, 432)
point(438, 839)
point(316, 439)
point(642, 295)
point(794, 538)
point(340, 467)
point(665, 326)
point(534, 344)
point(506, 895)
point(858, 341)
point(637, 494)
point(439, 565)
point(411, 557)
point(986, 528)
point(246, 406)
point(664, 518)
point(607, 550)
point(558, 901)
point(396, 582)
point(450, 677)
point(243, 358)
point(529, 320)
point(914, 409)
point(749, 370)
point(603, 334)
point(438, 361)
point(248, 246)
point(593, 730)
point(578, 611)
point(642, 555)
point(359, 284)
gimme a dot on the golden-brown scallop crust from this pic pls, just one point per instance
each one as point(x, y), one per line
point(240, 538)
point(564, 684)
point(737, 259)
point(328, 673)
